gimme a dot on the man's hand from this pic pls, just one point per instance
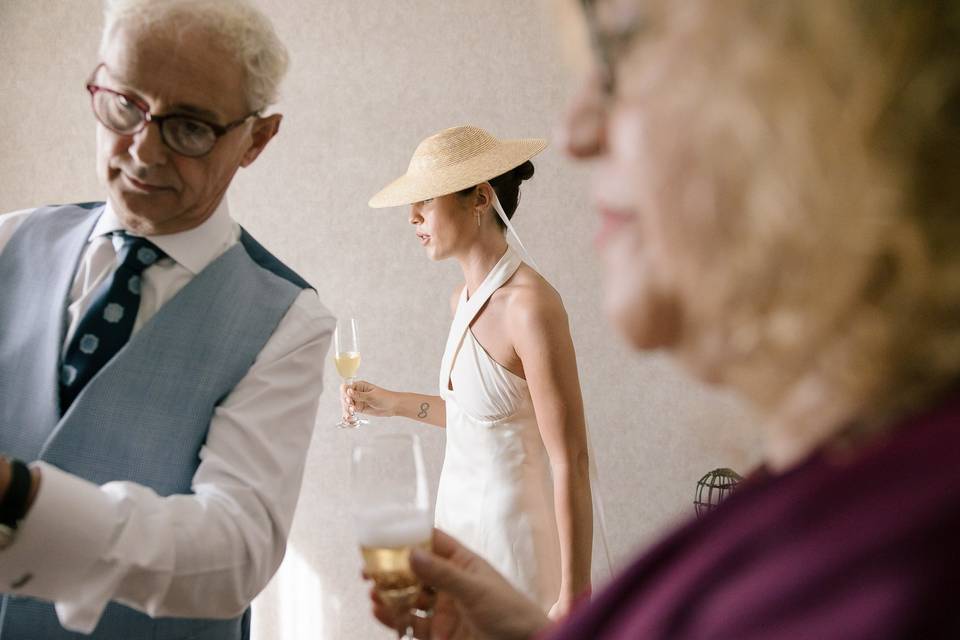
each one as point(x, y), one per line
point(473, 600)
point(5, 474)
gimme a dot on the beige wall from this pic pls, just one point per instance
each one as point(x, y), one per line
point(370, 78)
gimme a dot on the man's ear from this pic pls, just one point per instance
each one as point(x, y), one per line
point(263, 131)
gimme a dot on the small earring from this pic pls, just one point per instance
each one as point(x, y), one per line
point(478, 220)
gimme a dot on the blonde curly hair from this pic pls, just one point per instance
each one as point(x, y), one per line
point(809, 184)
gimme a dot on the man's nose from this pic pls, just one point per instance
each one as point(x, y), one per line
point(148, 146)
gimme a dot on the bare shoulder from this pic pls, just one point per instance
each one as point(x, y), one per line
point(532, 302)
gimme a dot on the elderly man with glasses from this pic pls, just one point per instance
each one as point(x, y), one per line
point(159, 369)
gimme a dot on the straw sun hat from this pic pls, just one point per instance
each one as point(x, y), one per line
point(452, 160)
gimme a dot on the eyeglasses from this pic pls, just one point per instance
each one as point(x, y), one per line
point(127, 116)
point(608, 46)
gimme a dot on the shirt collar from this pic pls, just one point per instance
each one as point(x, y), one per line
point(194, 248)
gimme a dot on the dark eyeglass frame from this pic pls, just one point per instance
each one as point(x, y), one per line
point(146, 118)
point(605, 44)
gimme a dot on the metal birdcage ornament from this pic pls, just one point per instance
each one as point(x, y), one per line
point(714, 488)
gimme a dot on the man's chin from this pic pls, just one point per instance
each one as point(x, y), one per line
point(144, 211)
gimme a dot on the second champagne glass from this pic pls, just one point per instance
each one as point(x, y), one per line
point(392, 514)
point(346, 355)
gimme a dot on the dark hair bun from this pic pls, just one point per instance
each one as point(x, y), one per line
point(524, 171)
point(507, 186)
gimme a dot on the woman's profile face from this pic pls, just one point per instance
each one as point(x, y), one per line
point(441, 225)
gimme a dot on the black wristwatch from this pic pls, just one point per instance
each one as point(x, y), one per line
point(14, 504)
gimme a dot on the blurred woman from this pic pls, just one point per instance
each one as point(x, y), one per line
point(777, 184)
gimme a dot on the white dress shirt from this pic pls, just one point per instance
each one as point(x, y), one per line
point(200, 555)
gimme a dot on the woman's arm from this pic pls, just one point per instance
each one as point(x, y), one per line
point(541, 336)
point(367, 398)
point(422, 408)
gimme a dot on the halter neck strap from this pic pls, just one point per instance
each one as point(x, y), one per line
point(506, 221)
point(468, 308)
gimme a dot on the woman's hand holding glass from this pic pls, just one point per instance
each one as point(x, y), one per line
point(364, 397)
point(472, 600)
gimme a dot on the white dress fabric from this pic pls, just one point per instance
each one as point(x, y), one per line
point(496, 493)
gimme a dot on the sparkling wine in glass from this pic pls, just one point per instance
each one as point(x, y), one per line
point(392, 515)
point(346, 356)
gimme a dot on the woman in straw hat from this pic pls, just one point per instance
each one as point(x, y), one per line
point(778, 184)
point(515, 482)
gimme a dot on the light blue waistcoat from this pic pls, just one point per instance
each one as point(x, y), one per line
point(145, 415)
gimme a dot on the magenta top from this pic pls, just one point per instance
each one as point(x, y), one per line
point(863, 545)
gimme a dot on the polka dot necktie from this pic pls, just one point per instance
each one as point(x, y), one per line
point(108, 322)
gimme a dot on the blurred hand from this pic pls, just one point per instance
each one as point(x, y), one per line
point(367, 398)
point(472, 600)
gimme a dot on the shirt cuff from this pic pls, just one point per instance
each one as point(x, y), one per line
point(57, 545)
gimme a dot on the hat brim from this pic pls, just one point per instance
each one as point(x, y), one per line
point(408, 188)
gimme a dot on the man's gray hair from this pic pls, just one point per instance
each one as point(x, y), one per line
point(238, 24)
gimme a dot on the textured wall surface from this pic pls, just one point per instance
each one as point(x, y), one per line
point(370, 78)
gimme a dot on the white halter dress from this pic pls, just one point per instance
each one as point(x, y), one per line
point(496, 493)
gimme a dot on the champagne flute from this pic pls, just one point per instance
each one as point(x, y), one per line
point(346, 356)
point(392, 515)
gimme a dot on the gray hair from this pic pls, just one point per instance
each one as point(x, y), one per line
point(241, 27)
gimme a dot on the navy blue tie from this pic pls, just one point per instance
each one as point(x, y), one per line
point(108, 322)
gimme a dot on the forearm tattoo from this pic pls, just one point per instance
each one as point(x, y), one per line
point(423, 410)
